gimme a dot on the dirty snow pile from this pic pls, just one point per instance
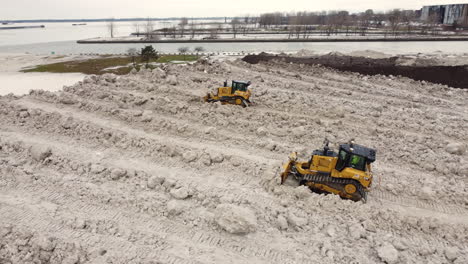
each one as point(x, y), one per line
point(137, 169)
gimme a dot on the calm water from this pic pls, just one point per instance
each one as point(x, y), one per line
point(60, 38)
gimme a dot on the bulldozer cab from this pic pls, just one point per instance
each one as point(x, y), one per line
point(239, 86)
point(354, 156)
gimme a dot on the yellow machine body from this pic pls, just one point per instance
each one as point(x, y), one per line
point(237, 94)
point(321, 173)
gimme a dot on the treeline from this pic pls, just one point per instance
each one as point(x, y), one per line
point(395, 21)
point(297, 25)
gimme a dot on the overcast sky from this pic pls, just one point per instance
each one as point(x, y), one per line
point(54, 9)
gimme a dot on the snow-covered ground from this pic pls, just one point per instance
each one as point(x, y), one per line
point(137, 169)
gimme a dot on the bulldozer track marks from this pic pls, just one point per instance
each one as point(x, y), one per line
point(337, 83)
point(89, 208)
point(135, 221)
point(136, 134)
point(58, 151)
point(412, 202)
point(234, 137)
point(52, 228)
point(374, 194)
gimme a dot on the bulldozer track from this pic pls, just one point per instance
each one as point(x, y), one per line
point(323, 179)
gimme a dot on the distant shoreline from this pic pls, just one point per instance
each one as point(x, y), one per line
point(122, 41)
point(106, 20)
point(20, 27)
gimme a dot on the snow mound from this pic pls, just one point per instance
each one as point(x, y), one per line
point(235, 219)
point(369, 54)
point(388, 253)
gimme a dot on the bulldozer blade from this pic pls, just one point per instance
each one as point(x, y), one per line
point(287, 170)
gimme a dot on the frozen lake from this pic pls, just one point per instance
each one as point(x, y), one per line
point(60, 38)
point(21, 83)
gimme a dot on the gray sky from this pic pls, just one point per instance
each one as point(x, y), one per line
point(53, 9)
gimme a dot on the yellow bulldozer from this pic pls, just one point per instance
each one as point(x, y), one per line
point(238, 94)
point(346, 173)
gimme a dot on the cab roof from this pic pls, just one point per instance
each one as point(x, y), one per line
point(360, 150)
point(241, 82)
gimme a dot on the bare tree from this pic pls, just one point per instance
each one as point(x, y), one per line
point(379, 19)
point(193, 29)
point(365, 21)
point(246, 19)
point(199, 49)
point(213, 33)
point(136, 27)
point(111, 27)
point(302, 22)
point(182, 24)
point(246, 23)
point(292, 26)
point(394, 19)
point(407, 17)
point(330, 22)
point(297, 21)
point(173, 31)
point(353, 21)
point(133, 53)
point(433, 23)
point(271, 19)
point(342, 20)
point(165, 31)
point(183, 50)
point(235, 26)
point(254, 21)
point(149, 28)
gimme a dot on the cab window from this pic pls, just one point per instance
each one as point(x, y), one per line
point(342, 158)
point(238, 87)
point(235, 86)
point(357, 162)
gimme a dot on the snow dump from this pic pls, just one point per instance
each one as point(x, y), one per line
point(422, 60)
point(418, 60)
point(369, 54)
point(305, 53)
point(358, 53)
point(137, 169)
